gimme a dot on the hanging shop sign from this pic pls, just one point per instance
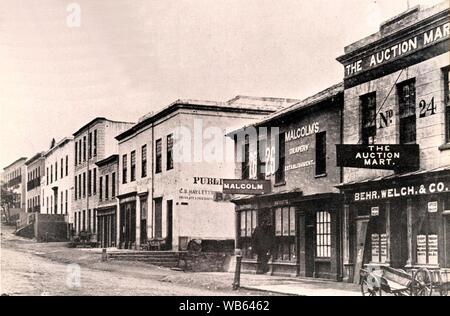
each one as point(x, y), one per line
point(248, 187)
point(375, 211)
point(388, 157)
point(432, 207)
point(402, 191)
point(397, 50)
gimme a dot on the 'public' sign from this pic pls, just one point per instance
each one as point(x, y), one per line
point(250, 187)
point(389, 157)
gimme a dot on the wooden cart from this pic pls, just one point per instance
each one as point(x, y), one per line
point(399, 282)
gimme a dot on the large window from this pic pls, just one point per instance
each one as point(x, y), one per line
point(62, 167)
point(368, 121)
point(56, 171)
point(144, 161)
point(407, 111)
point(76, 188)
point(169, 152)
point(80, 149)
point(133, 166)
point(67, 165)
point(90, 145)
point(248, 222)
point(100, 189)
point(124, 168)
point(427, 234)
point(84, 148)
point(285, 233)
point(76, 153)
point(447, 104)
point(323, 235)
point(280, 173)
point(321, 153)
point(158, 150)
point(79, 186)
point(84, 184)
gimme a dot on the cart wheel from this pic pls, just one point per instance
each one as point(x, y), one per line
point(423, 283)
point(370, 286)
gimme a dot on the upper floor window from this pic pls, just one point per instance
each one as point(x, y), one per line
point(84, 148)
point(447, 104)
point(280, 173)
point(124, 169)
point(407, 111)
point(90, 145)
point(95, 143)
point(170, 152)
point(106, 187)
point(321, 153)
point(133, 166)
point(67, 165)
point(158, 150)
point(246, 162)
point(100, 189)
point(94, 186)
point(262, 144)
point(144, 161)
point(56, 170)
point(62, 167)
point(80, 149)
point(113, 185)
point(76, 153)
point(368, 122)
point(89, 182)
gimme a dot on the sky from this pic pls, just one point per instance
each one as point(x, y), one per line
point(121, 59)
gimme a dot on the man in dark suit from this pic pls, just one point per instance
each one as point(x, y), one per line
point(262, 244)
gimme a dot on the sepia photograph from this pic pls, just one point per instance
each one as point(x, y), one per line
point(224, 153)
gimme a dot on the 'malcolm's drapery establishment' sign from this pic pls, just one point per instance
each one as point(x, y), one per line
point(398, 49)
point(389, 157)
point(248, 187)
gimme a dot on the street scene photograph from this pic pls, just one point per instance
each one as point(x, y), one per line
point(224, 153)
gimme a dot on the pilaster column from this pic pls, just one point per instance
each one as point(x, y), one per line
point(388, 232)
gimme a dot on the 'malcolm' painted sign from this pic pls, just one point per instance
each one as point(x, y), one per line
point(389, 157)
point(248, 187)
point(398, 49)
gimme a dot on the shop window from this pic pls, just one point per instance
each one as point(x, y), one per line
point(133, 166)
point(248, 221)
point(285, 234)
point(144, 161)
point(321, 153)
point(280, 173)
point(169, 163)
point(447, 104)
point(407, 111)
point(246, 163)
point(427, 235)
point(158, 164)
point(377, 235)
point(368, 114)
point(323, 235)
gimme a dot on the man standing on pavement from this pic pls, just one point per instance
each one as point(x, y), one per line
point(262, 244)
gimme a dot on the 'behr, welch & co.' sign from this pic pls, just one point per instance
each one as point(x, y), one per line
point(250, 187)
point(389, 157)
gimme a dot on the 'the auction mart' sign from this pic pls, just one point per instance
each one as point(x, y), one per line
point(250, 187)
point(389, 157)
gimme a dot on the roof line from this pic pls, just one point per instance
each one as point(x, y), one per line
point(21, 158)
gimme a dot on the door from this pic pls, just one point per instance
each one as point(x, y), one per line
point(169, 225)
point(158, 218)
point(309, 246)
point(143, 220)
point(399, 234)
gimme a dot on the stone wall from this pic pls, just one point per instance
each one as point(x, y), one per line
point(205, 261)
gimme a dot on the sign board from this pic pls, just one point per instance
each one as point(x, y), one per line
point(402, 191)
point(375, 211)
point(397, 50)
point(248, 187)
point(432, 207)
point(388, 157)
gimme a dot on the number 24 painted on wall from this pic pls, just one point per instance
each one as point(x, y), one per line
point(427, 109)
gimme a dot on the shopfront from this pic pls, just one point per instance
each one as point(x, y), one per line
point(305, 234)
point(106, 226)
point(400, 221)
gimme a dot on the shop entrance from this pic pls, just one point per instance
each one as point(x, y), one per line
point(399, 234)
point(169, 225)
point(128, 225)
point(309, 246)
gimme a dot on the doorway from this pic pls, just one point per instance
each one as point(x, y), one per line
point(169, 238)
point(128, 224)
point(309, 246)
point(399, 234)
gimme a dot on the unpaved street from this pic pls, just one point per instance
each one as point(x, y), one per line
point(27, 270)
